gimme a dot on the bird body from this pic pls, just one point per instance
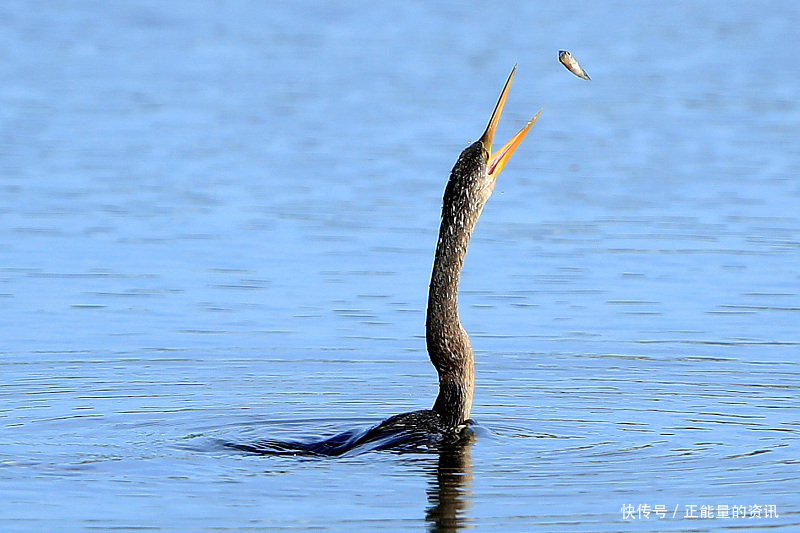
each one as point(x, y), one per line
point(471, 183)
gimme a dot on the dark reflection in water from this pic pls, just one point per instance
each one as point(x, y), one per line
point(450, 494)
point(449, 491)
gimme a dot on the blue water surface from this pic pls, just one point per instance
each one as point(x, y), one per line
point(217, 224)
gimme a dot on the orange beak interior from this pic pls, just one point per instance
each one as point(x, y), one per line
point(498, 159)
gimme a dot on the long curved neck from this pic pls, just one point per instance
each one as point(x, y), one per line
point(447, 341)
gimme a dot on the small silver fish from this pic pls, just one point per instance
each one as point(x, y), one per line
point(572, 64)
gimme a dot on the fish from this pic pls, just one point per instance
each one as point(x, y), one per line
point(572, 64)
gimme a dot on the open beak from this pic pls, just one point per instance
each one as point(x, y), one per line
point(498, 159)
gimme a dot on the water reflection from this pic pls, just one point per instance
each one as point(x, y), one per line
point(450, 480)
point(450, 484)
point(450, 492)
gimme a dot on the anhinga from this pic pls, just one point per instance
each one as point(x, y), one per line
point(472, 181)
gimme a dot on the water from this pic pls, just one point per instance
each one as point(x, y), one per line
point(218, 220)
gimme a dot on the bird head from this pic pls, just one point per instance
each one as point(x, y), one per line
point(475, 173)
point(496, 161)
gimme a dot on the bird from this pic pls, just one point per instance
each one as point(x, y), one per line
point(472, 181)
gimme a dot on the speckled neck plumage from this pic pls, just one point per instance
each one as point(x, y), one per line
point(471, 183)
point(448, 343)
